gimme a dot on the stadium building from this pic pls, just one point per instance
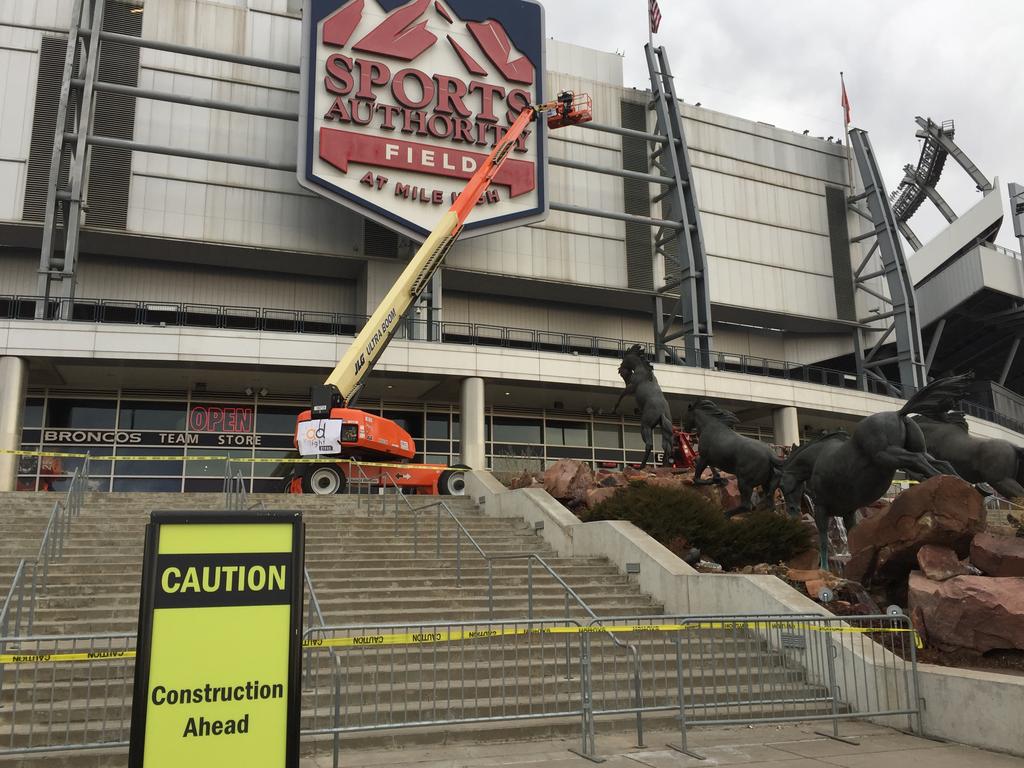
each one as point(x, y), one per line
point(169, 288)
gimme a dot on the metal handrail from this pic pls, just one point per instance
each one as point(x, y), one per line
point(51, 547)
point(9, 601)
point(492, 559)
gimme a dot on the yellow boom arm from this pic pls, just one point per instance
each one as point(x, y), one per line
point(359, 360)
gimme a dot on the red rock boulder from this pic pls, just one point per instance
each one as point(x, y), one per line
point(944, 511)
point(568, 480)
point(972, 613)
point(940, 563)
point(998, 555)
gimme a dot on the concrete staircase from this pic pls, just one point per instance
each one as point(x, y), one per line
point(365, 575)
point(364, 572)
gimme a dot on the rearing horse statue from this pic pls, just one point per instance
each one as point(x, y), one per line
point(638, 375)
point(850, 474)
point(753, 462)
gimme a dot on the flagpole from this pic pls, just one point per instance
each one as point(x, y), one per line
point(650, 26)
point(846, 127)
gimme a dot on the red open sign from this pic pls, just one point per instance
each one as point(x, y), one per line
point(219, 418)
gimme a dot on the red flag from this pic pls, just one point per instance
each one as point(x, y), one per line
point(655, 12)
point(845, 100)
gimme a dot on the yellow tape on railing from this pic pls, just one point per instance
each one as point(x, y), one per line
point(463, 635)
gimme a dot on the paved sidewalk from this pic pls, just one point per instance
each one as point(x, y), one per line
point(788, 746)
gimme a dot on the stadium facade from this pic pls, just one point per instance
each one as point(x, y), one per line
point(205, 296)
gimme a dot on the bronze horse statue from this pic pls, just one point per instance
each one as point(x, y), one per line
point(997, 462)
point(752, 462)
point(799, 465)
point(638, 375)
point(854, 473)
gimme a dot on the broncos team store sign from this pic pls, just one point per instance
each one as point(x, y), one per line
point(403, 99)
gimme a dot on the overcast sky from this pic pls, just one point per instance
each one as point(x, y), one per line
point(779, 62)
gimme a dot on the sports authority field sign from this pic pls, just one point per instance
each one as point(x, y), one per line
point(403, 99)
point(220, 624)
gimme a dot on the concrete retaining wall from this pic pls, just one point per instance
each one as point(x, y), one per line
point(992, 700)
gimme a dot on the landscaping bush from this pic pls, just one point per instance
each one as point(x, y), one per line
point(681, 518)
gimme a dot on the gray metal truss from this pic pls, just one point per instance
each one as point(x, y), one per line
point(900, 307)
point(919, 181)
point(943, 136)
point(682, 306)
point(57, 265)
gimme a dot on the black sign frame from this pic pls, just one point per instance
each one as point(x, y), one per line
point(144, 644)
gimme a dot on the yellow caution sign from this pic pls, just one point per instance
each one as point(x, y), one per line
point(218, 651)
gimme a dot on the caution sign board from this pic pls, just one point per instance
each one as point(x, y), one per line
point(220, 631)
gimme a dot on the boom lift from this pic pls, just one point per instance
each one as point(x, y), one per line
point(332, 427)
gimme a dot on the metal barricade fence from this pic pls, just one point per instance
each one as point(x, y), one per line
point(731, 670)
point(712, 670)
point(52, 703)
point(438, 674)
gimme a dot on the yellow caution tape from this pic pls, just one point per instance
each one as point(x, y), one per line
point(462, 635)
point(229, 459)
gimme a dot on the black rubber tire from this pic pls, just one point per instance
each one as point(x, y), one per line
point(452, 481)
point(324, 480)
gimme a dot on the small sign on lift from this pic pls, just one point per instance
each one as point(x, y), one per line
point(218, 651)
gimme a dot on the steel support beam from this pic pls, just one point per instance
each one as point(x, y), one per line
point(940, 203)
point(908, 233)
point(47, 265)
point(650, 178)
point(932, 130)
point(934, 346)
point(909, 348)
point(81, 149)
point(614, 215)
point(216, 157)
point(627, 132)
point(682, 258)
point(187, 50)
point(1009, 362)
point(192, 101)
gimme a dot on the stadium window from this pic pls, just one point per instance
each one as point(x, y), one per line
point(159, 416)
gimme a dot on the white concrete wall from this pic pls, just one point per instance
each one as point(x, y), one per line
point(18, 274)
point(129, 343)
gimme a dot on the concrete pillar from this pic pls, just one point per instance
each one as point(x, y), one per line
point(13, 382)
point(472, 419)
point(787, 426)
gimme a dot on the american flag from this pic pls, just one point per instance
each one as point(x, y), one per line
point(844, 101)
point(655, 15)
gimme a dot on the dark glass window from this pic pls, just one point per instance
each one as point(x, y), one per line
point(153, 467)
point(81, 414)
point(607, 435)
point(277, 419)
point(159, 416)
point(438, 426)
point(575, 433)
point(32, 418)
point(147, 484)
point(508, 430)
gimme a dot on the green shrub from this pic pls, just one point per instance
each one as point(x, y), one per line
point(680, 518)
